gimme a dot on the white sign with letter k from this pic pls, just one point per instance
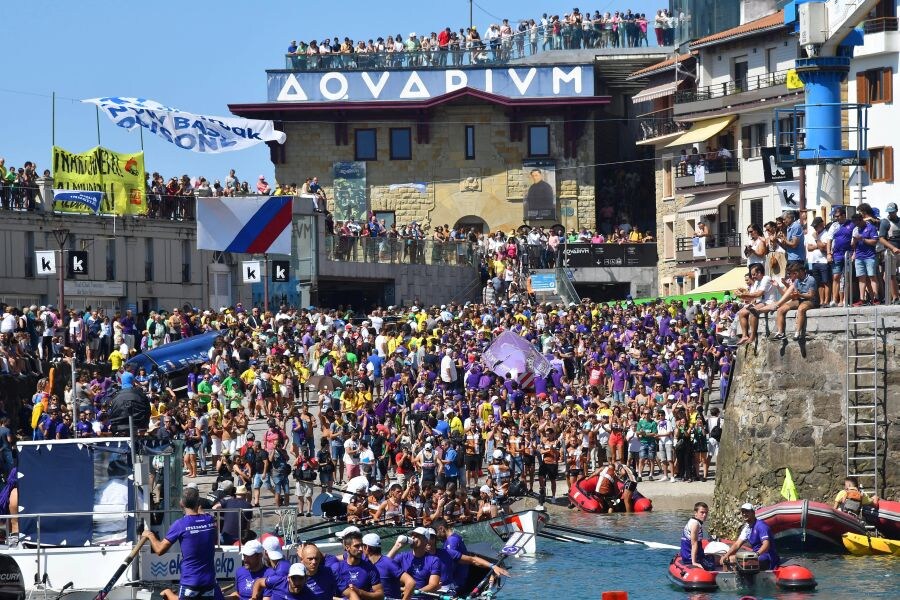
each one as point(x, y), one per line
point(252, 271)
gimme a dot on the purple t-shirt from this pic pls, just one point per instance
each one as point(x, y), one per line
point(243, 581)
point(364, 576)
point(389, 572)
point(421, 569)
point(618, 377)
point(455, 548)
point(198, 536)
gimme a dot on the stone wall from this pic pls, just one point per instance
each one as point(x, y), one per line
point(787, 410)
point(667, 207)
point(490, 187)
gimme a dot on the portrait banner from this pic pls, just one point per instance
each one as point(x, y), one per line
point(120, 178)
point(540, 196)
point(350, 191)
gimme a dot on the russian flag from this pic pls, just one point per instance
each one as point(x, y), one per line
point(248, 225)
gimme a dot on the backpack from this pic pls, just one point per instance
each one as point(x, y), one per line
point(716, 432)
point(852, 501)
point(264, 386)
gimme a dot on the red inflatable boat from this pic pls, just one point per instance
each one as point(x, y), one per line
point(809, 526)
point(582, 494)
point(787, 577)
point(885, 518)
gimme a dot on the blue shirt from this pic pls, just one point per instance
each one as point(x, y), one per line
point(243, 581)
point(795, 232)
point(127, 380)
point(364, 576)
point(198, 536)
point(389, 573)
point(455, 548)
point(755, 536)
point(864, 250)
point(376, 362)
point(277, 589)
point(421, 569)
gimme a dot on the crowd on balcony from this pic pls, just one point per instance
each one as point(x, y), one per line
point(173, 198)
point(18, 186)
point(711, 160)
point(498, 43)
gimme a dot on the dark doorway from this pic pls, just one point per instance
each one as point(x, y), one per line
point(603, 292)
point(360, 295)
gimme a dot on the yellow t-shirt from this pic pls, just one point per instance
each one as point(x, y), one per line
point(115, 360)
point(486, 411)
point(248, 376)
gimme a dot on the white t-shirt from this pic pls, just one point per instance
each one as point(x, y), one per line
point(665, 431)
point(816, 256)
point(351, 446)
point(770, 292)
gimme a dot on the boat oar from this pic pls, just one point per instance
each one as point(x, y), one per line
point(514, 544)
point(561, 538)
point(101, 595)
point(611, 538)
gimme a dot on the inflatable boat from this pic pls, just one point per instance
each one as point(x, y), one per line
point(863, 545)
point(582, 495)
point(746, 575)
point(885, 518)
point(802, 525)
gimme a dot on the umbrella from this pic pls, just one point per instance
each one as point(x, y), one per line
point(324, 383)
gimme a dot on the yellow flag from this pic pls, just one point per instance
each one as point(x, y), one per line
point(788, 489)
point(793, 80)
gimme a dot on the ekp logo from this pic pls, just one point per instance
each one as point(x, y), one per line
point(224, 565)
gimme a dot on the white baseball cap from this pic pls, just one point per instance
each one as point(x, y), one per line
point(344, 532)
point(273, 548)
point(747, 506)
point(485, 489)
point(297, 569)
point(425, 532)
point(371, 540)
point(252, 547)
point(498, 454)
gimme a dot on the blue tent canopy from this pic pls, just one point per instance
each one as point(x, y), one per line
point(177, 355)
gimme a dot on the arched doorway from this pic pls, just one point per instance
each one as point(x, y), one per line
point(475, 222)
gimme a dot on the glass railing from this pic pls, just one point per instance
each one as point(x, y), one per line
point(880, 25)
point(474, 54)
point(399, 251)
point(728, 240)
point(731, 87)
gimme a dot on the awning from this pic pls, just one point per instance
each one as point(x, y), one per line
point(728, 282)
point(705, 204)
point(657, 91)
point(184, 353)
point(703, 130)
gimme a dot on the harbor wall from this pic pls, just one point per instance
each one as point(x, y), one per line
point(787, 409)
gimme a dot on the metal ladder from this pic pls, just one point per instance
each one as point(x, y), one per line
point(863, 399)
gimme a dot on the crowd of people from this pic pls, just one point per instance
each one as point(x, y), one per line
point(18, 187)
point(498, 43)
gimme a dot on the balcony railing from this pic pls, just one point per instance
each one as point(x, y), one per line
point(397, 251)
point(716, 247)
point(716, 171)
point(880, 25)
point(654, 128)
point(731, 87)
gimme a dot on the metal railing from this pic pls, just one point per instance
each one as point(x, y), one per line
point(880, 25)
point(711, 162)
point(727, 240)
point(396, 251)
point(14, 196)
point(731, 87)
point(652, 128)
point(466, 54)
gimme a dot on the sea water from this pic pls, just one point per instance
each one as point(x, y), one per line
point(564, 570)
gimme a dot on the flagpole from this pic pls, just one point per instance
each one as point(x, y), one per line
point(97, 109)
point(266, 284)
point(53, 118)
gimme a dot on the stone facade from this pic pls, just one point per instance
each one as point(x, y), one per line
point(490, 187)
point(668, 203)
point(787, 410)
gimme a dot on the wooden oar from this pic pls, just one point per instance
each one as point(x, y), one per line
point(513, 545)
point(101, 595)
point(611, 538)
point(561, 538)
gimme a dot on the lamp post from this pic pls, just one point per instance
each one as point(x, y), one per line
point(62, 237)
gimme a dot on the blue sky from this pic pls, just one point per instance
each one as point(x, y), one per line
point(196, 55)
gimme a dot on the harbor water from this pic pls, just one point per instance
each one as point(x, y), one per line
point(568, 570)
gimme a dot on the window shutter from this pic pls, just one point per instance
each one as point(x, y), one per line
point(887, 157)
point(888, 79)
point(862, 88)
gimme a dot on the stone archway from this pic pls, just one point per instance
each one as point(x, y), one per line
point(473, 221)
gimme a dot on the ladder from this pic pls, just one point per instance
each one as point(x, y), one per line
point(864, 399)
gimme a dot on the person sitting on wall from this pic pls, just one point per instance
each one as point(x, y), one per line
point(760, 299)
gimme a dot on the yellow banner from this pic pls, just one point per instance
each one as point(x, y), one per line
point(119, 176)
point(793, 80)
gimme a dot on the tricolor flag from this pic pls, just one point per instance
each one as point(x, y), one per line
point(249, 225)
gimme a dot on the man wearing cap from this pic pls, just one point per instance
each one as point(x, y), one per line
point(500, 476)
point(392, 577)
point(757, 534)
point(355, 574)
point(237, 516)
point(277, 565)
point(424, 568)
point(253, 568)
point(197, 536)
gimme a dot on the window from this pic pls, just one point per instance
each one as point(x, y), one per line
point(669, 239)
point(771, 60)
point(756, 212)
point(111, 260)
point(753, 138)
point(741, 68)
point(784, 129)
point(185, 261)
point(366, 141)
point(148, 259)
point(881, 164)
point(667, 178)
point(470, 142)
point(875, 86)
point(29, 254)
point(538, 140)
point(387, 216)
point(401, 143)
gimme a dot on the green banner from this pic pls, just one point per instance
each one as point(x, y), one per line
point(350, 191)
point(119, 176)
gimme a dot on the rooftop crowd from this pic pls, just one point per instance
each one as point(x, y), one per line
point(499, 42)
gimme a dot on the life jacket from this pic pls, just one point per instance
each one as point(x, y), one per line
point(852, 501)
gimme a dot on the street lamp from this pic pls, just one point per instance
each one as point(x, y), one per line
point(62, 237)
